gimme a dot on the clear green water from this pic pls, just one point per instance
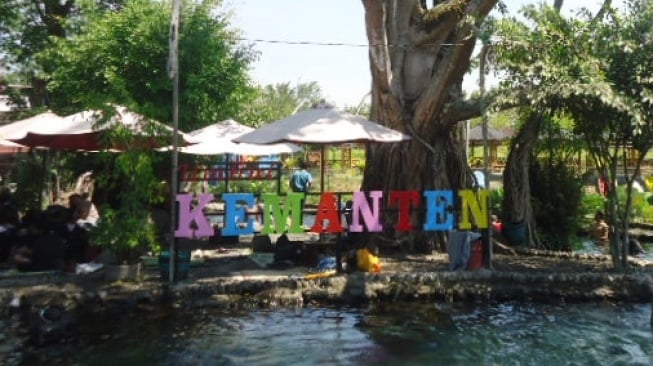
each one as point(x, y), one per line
point(391, 334)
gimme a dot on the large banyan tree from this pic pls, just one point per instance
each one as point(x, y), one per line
point(419, 54)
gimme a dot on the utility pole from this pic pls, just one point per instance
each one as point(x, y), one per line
point(173, 73)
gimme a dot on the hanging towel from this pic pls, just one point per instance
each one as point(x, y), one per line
point(459, 248)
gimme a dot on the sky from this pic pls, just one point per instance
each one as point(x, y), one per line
point(341, 70)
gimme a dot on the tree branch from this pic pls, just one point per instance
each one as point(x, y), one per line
point(465, 109)
point(378, 50)
point(454, 62)
point(399, 36)
point(557, 5)
point(448, 71)
point(604, 8)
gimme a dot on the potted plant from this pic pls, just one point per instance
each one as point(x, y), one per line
point(125, 230)
point(123, 237)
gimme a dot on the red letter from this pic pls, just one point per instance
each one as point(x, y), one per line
point(327, 211)
point(405, 200)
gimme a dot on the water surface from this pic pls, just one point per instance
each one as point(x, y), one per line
point(390, 334)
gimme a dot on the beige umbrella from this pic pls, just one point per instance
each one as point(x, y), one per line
point(19, 129)
point(322, 125)
point(84, 131)
point(216, 139)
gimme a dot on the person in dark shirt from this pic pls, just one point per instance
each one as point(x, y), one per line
point(77, 242)
point(39, 249)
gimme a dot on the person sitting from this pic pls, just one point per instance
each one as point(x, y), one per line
point(77, 242)
point(8, 206)
point(600, 230)
point(39, 249)
point(84, 211)
point(7, 233)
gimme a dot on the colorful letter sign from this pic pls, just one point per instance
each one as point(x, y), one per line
point(285, 215)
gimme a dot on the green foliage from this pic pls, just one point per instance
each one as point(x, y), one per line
point(273, 102)
point(641, 209)
point(590, 203)
point(293, 161)
point(496, 202)
point(121, 57)
point(126, 235)
point(556, 192)
point(127, 230)
point(594, 69)
point(249, 186)
point(29, 177)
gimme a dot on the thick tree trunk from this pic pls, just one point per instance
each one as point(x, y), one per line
point(418, 58)
point(517, 208)
point(435, 161)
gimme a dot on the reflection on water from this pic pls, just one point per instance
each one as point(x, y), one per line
point(407, 334)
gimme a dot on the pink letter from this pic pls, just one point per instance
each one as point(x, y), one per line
point(371, 217)
point(187, 215)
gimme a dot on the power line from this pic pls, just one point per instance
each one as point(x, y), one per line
point(343, 44)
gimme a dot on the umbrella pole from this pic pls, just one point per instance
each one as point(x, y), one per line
point(322, 168)
point(226, 173)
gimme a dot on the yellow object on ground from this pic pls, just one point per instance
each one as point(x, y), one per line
point(367, 262)
point(312, 276)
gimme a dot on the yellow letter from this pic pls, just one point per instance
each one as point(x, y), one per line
point(478, 209)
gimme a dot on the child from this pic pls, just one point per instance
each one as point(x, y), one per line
point(600, 231)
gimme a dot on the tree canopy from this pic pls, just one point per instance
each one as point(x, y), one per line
point(595, 69)
point(121, 57)
point(272, 102)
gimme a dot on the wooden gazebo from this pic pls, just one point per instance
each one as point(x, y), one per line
point(494, 139)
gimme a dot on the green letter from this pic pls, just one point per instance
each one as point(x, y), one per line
point(273, 212)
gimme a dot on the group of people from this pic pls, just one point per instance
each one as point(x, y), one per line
point(52, 239)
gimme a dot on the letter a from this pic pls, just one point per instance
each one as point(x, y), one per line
point(327, 211)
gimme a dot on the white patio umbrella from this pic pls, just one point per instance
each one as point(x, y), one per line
point(216, 139)
point(322, 125)
point(83, 131)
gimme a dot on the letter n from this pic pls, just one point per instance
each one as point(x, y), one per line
point(477, 207)
point(371, 217)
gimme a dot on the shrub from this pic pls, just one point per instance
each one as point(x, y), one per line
point(496, 202)
point(557, 193)
point(125, 235)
